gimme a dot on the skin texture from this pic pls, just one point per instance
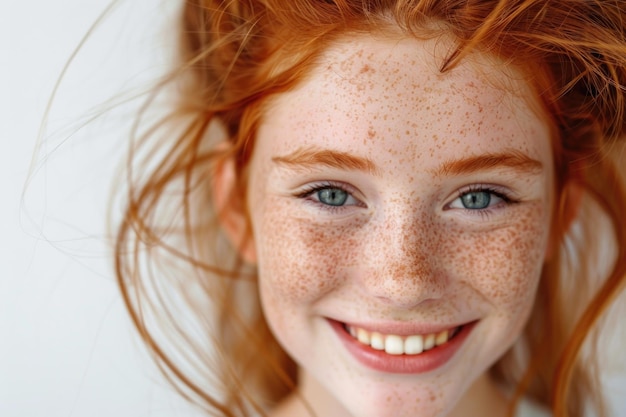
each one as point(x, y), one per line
point(402, 249)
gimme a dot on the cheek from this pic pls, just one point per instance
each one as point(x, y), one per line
point(504, 265)
point(300, 260)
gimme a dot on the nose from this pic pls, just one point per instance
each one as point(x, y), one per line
point(402, 261)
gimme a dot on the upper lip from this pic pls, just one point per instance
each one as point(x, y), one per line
point(404, 328)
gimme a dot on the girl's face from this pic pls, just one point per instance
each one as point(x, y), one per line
point(401, 219)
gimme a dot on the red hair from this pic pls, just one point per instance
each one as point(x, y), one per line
point(237, 54)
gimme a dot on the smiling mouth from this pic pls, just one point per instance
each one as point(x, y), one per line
point(401, 345)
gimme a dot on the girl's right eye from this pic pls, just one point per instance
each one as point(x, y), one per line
point(332, 195)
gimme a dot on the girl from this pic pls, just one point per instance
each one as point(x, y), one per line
point(383, 208)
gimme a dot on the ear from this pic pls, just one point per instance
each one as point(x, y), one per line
point(566, 210)
point(231, 209)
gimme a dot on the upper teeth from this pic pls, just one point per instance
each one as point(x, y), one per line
point(398, 345)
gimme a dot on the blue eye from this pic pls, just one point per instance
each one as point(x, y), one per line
point(479, 199)
point(476, 200)
point(332, 196)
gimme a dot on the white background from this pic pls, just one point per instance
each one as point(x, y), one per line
point(66, 345)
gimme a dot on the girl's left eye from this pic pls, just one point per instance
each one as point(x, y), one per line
point(479, 199)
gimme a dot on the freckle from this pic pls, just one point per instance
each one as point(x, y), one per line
point(366, 68)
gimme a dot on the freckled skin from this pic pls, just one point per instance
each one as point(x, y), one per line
point(402, 253)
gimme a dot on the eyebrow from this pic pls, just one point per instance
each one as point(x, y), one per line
point(513, 159)
point(311, 157)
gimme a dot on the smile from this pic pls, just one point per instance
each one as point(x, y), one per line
point(401, 345)
point(402, 348)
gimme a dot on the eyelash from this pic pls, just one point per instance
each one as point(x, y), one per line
point(310, 190)
point(485, 212)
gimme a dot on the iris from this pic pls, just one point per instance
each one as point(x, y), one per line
point(332, 196)
point(476, 200)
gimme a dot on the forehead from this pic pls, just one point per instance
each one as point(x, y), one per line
point(367, 91)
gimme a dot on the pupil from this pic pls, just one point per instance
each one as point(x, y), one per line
point(476, 200)
point(332, 196)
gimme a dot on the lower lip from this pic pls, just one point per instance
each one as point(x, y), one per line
point(402, 364)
